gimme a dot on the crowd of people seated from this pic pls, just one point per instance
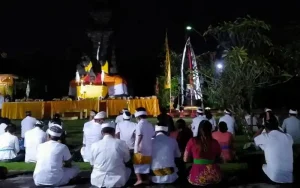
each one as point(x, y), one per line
point(155, 154)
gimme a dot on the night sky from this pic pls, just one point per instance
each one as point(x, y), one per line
point(45, 40)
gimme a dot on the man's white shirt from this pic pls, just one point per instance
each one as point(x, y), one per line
point(291, 126)
point(127, 130)
point(230, 121)
point(195, 124)
point(9, 146)
point(278, 149)
point(33, 138)
point(27, 124)
point(119, 119)
point(2, 128)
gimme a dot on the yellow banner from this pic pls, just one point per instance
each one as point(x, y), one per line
point(168, 66)
point(105, 67)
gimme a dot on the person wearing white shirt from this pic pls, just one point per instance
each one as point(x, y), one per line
point(53, 166)
point(9, 144)
point(251, 121)
point(210, 118)
point(91, 134)
point(291, 125)
point(229, 120)
point(2, 100)
point(91, 119)
point(143, 146)
point(125, 130)
point(108, 158)
point(197, 120)
point(164, 169)
point(33, 138)
point(278, 150)
point(27, 124)
point(119, 118)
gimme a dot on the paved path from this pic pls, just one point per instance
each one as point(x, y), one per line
point(26, 181)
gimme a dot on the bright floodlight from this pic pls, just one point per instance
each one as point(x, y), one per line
point(188, 28)
point(219, 66)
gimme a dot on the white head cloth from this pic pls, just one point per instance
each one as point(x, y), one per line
point(140, 113)
point(199, 110)
point(52, 133)
point(108, 124)
point(207, 108)
point(227, 111)
point(161, 128)
point(92, 113)
point(125, 116)
point(268, 110)
point(294, 112)
point(100, 115)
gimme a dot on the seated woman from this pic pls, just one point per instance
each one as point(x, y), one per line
point(205, 151)
point(9, 144)
point(225, 139)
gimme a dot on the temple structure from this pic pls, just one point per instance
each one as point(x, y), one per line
point(101, 33)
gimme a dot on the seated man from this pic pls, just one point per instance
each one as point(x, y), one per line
point(27, 123)
point(9, 144)
point(53, 167)
point(33, 139)
point(163, 168)
point(278, 149)
point(108, 158)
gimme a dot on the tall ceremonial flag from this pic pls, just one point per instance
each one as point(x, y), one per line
point(167, 66)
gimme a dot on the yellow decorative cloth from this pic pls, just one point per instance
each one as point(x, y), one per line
point(163, 171)
point(139, 159)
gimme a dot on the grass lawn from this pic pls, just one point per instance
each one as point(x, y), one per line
point(74, 138)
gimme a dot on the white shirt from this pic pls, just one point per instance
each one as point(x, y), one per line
point(213, 123)
point(33, 138)
point(278, 149)
point(291, 125)
point(108, 157)
point(2, 128)
point(195, 124)
point(165, 150)
point(127, 130)
point(88, 123)
point(9, 146)
point(91, 134)
point(230, 121)
point(119, 118)
point(146, 129)
point(1, 101)
point(250, 121)
point(27, 124)
point(49, 166)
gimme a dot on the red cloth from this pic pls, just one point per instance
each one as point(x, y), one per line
point(225, 140)
point(97, 80)
point(204, 174)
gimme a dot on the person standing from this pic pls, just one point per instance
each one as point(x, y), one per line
point(143, 146)
point(108, 158)
point(27, 123)
point(291, 125)
point(210, 118)
point(119, 118)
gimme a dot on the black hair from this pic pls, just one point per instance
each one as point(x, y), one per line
point(108, 130)
point(180, 124)
point(11, 128)
point(293, 110)
point(6, 121)
point(56, 116)
point(208, 114)
point(204, 136)
point(272, 123)
point(28, 113)
point(223, 127)
point(40, 125)
point(230, 113)
point(141, 109)
point(94, 111)
point(163, 110)
point(127, 113)
point(56, 130)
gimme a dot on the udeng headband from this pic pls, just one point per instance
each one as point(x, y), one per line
point(140, 113)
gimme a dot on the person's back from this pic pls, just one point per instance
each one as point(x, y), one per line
point(126, 129)
point(33, 138)
point(225, 140)
point(50, 157)
point(2, 128)
point(27, 124)
point(167, 147)
point(145, 127)
point(91, 134)
point(291, 125)
point(278, 151)
point(229, 120)
point(108, 157)
point(195, 124)
point(166, 119)
point(9, 146)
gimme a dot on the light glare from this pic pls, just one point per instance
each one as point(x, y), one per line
point(219, 66)
point(188, 28)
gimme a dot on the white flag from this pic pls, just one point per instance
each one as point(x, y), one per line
point(77, 78)
point(27, 89)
